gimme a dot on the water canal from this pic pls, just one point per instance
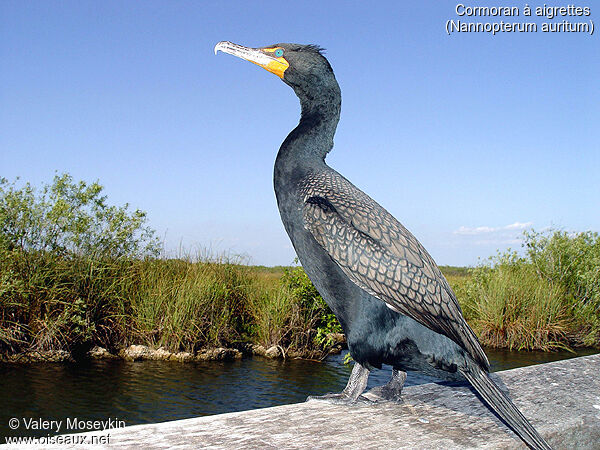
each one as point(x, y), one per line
point(157, 391)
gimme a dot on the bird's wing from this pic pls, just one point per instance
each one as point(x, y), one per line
point(382, 257)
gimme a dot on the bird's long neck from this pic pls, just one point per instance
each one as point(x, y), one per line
point(307, 145)
point(312, 139)
point(305, 148)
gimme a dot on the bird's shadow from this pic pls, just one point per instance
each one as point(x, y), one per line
point(454, 396)
point(447, 398)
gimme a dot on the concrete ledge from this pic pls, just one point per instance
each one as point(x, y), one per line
point(561, 399)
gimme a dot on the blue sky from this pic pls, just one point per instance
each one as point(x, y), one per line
point(466, 139)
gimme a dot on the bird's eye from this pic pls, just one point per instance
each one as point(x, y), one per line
point(279, 52)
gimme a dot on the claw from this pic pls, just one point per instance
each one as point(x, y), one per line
point(391, 391)
point(341, 399)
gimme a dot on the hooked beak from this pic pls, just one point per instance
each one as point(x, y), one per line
point(264, 57)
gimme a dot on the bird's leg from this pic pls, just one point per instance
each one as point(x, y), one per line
point(357, 382)
point(351, 393)
point(390, 391)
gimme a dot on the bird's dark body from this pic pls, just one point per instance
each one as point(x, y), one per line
point(376, 335)
point(392, 301)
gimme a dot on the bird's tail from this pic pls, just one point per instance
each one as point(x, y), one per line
point(503, 406)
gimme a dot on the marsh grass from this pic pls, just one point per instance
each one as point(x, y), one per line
point(49, 302)
point(510, 306)
point(272, 309)
point(190, 304)
point(572, 261)
point(76, 272)
point(546, 300)
point(52, 302)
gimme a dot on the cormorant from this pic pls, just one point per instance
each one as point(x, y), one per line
point(391, 299)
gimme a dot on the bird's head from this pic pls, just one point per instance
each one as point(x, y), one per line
point(300, 66)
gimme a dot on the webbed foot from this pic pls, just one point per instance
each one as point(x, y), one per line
point(389, 392)
point(353, 390)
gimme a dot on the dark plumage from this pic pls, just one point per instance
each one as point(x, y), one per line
point(392, 301)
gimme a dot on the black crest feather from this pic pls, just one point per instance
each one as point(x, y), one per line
point(315, 48)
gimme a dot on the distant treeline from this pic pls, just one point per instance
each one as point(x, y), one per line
point(76, 272)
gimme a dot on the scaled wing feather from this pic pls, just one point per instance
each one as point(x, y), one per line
point(382, 257)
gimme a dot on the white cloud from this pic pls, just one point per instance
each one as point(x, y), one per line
point(518, 226)
point(470, 231)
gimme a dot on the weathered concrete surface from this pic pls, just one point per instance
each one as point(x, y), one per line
point(562, 400)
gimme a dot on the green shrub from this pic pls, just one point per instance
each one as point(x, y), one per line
point(316, 312)
point(545, 300)
point(573, 262)
point(71, 218)
point(65, 258)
